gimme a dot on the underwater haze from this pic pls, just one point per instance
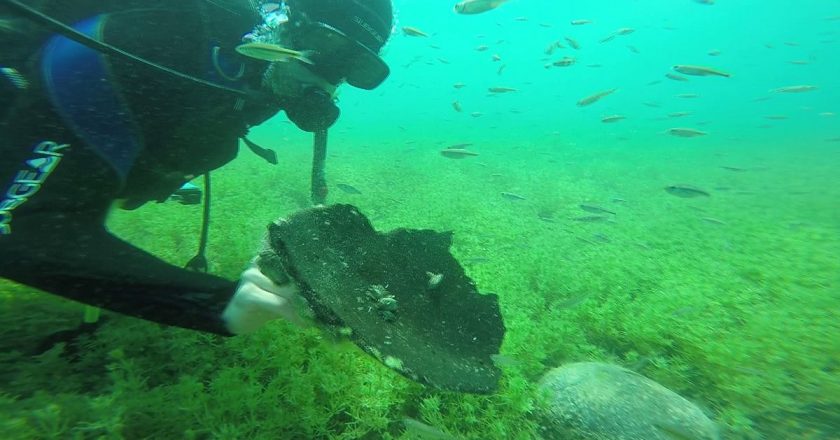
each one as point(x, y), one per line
point(681, 222)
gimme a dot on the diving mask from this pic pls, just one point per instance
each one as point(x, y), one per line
point(341, 51)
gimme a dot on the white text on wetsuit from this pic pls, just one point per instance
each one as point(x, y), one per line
point(28, 180)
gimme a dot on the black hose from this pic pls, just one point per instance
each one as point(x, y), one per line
point(102, 47)
point(198, 263)
point(319, 159)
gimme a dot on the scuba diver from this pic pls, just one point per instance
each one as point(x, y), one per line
point(122, 104)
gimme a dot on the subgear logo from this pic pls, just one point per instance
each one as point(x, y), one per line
point(28, 180)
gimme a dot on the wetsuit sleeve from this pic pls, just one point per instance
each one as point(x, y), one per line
point(89, 265)
point(52, 234)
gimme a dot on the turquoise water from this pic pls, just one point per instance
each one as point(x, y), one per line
point(729, 299)
point(757, 42)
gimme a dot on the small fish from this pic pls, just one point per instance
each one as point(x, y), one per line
point(457, 153)
point(273, 52)
point(481, 48)
point(606, 39)
point(601, 238)
point(705, 2)
point(568, 303)
point(457, 106)
point(595, 97)
point(459, 85)
point(512, 196)
point(714, 52)
point(457, 146)
point(700, 71)
point(580, 22)
point(612, 118)
point(686, 132)
point(501, 89)
point(675, 77)
point(625, 31)
point(347, 188)
point(412, 31)
point(417, 429)
point(776, 117)
point(713, 220)
point(564, 62)
point(595, 209)
point(795, 89)
point(686, 191)
point(477, 6)
point(573, 43)
point(678, 114)
point(476, 114)
point(731, 168)
point(496, 57)
point(590, 218)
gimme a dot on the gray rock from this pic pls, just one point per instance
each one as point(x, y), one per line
point(591, 400)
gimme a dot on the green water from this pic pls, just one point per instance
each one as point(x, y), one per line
point(731, 300)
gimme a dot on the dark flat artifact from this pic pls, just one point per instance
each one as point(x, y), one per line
point(402, 295)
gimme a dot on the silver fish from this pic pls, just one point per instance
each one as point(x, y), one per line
point(612, 118)
point(595, 209)
point(686, 191)
point(457, 153)
point(590, 218)
point(595, 97)
point(512, 196)
point(686, 132)
point(349, 189)
point(795, 89)
point(700, 71)
point(477, 6)
point(273, 52)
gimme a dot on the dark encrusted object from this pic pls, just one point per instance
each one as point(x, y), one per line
point(439, 333)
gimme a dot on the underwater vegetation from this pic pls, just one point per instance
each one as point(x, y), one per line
point(738, 317)
point(703, 259)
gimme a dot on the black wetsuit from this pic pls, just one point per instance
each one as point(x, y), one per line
point(56, 185)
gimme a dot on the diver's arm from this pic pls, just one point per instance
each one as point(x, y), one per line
point(94, 267)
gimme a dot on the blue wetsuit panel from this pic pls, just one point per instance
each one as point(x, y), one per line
point(80, 88)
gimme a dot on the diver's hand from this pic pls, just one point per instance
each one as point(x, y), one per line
point(314, 111)
point(258, 300)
